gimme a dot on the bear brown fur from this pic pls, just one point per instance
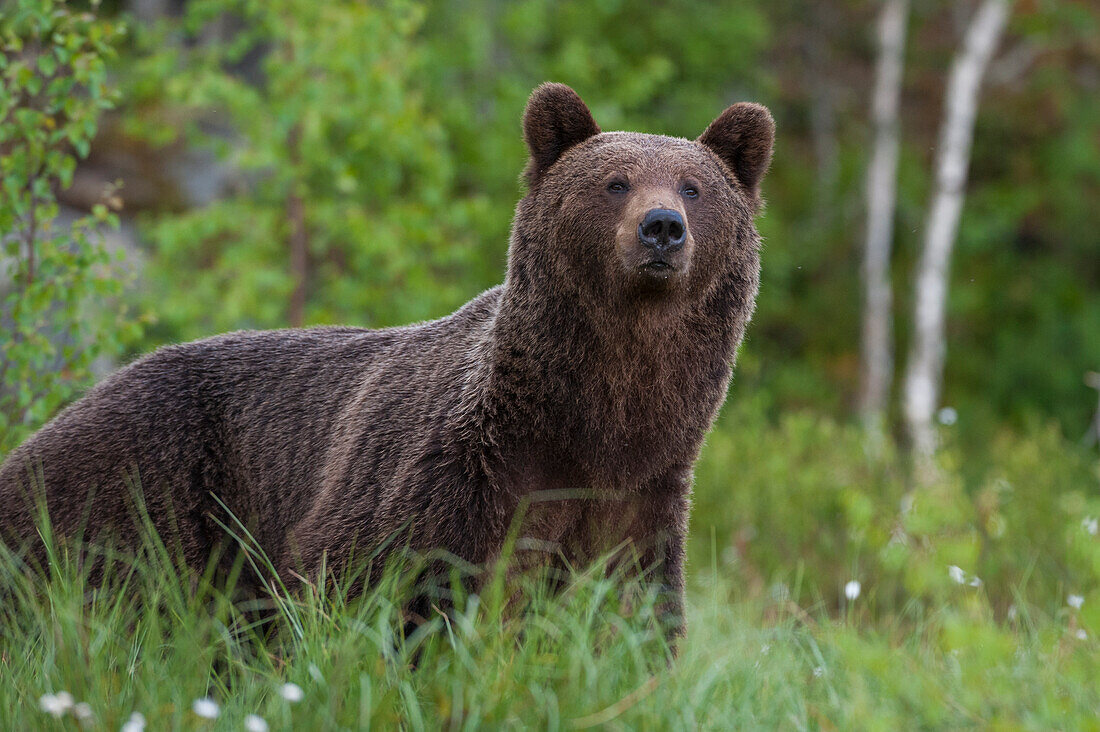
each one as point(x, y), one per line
point(579, 391)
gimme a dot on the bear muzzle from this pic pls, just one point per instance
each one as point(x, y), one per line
point(661, 250)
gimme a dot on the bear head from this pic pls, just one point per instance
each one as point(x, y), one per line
point(647, 218)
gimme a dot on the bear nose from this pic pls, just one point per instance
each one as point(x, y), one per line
point(662, 230)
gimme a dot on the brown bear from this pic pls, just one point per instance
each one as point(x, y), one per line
point(579, 391)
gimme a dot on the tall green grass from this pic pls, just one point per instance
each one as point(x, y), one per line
point(786, 515)
point(153, 640)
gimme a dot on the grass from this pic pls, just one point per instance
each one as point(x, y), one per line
point(153, 641)
point(786, 514)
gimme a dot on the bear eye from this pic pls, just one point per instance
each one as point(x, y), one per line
point(690, 191)
point(618, 186)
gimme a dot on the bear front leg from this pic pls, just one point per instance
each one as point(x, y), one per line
point(661, 543)
point(664, 563)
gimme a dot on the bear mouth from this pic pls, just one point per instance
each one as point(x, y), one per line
point(658, 268)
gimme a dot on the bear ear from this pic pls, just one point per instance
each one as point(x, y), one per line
point(742, 137)
point(555, 120)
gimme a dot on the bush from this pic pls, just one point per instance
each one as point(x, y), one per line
point(54, 88)
point(337, 176)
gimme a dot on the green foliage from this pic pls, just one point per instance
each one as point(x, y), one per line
point(55, 85)
point(324, 139)
point(800, 508)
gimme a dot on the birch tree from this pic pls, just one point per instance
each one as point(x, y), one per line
point(877, 347)
point(926, 356)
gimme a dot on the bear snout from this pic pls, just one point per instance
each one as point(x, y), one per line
point(663, 231)
point(655, 243)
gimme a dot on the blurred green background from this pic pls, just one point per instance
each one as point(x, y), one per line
point(410, 150)
point(380, 141)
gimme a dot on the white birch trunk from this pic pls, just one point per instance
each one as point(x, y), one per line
point(925, 370)
point(877, 347)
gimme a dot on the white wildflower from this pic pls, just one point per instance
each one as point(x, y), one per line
point(291, 692)
point(1075, 601)
point(55, 704)
point(957, 574)
point(1081, 634)
point(205, 708)
point(975, 582)
point(852, 589)
point(136, 723)
point(947, 416)
point(255, 723)
point(83, 711)
point(1091, 525)
point(819, 671)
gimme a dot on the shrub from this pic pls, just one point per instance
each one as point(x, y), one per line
point(55, 86)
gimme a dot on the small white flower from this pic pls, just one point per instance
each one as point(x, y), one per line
point(291, 692)
point(83, 711)
point(819, 671)
point(947, 416)
point(51, 705)
point(1075, 601)
point(1081, 634)
point(852, 589)
point(975, 582)
point(205, 708)
point(765, 648)
point(255, 723)
point(957, 574)
point(136, 723)
point(1091, 525)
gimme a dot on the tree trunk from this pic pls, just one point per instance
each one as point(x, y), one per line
point(926, 357)
point(878, 352)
